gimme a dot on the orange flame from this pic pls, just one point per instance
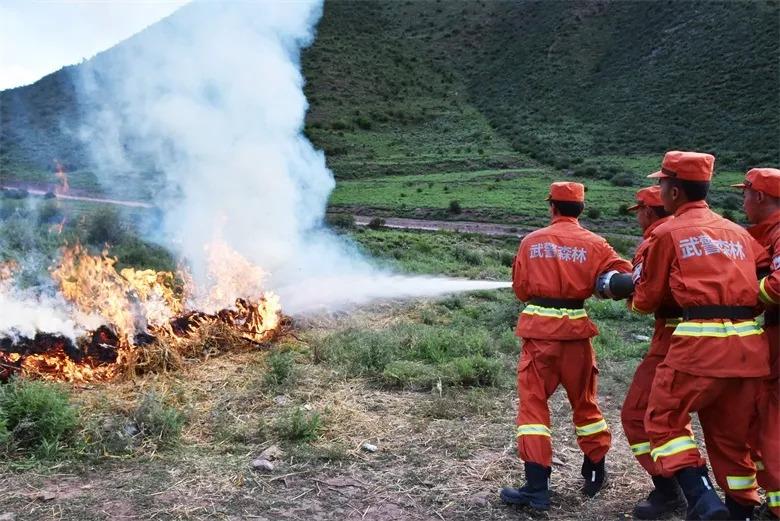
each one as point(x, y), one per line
point(133, 301)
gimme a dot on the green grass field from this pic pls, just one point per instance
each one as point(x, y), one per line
point(518, 195)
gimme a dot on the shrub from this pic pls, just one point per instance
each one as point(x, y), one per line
point(506, 258)
point(139, 254)
point(473, 371)
point(158, 422)
point(363, 123)
point(341, 220)
point(377, 223)
point(623, 209)
point(299, 425)
point(281, 368)
point(105, 227)
point(360, 352)
point(732, 202)
point(594, 213)
point(468, 256)
point(48, 213)
point(36, 417)
point(623, 179)
point(410, 374)
point(454, 207)
point(340, 125)
point(508, 342)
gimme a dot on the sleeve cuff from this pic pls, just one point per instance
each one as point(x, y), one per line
point(637, 310)
point(764, 295)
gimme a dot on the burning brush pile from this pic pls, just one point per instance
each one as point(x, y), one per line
point(133, 321)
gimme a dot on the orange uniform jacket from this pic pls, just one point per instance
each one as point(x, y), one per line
point(560, 261)
point(768, 234)
point(705, 260)
point(668, 304)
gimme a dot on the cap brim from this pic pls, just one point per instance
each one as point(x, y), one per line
point(657, 175)
point(634, 208)
point(740, 185)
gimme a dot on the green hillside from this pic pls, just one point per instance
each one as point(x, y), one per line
point(418, 87)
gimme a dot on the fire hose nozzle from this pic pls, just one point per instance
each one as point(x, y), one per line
point(614, 285)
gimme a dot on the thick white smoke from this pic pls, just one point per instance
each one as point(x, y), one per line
point(212, 99)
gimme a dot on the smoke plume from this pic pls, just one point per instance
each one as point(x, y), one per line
point(212, 100)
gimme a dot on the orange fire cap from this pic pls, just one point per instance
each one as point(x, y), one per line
point(686, 166)
point(650, 196)
point(565, 191)
point(765, 180)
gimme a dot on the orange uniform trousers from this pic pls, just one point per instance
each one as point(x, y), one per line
point(543, 366)
point(725, 420)
point(635, 404)
point(765, 429)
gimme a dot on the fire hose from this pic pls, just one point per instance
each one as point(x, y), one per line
point(615, 285)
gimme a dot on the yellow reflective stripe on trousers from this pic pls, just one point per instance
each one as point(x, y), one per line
point(741, 482)
point(572, 314)
point(641, 448)
point(717, 329)
point(591, 428)
point(672, 447)
point(773, 498)
point(533, 429)
point(763, 293)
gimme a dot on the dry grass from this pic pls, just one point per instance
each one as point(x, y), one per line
point(441, 455)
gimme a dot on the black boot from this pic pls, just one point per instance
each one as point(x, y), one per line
point(535, 493)
point(595, 475)
point(739, 511)
point(666, 499)
point(703, 502)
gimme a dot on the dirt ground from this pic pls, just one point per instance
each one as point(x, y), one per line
point(482, 228)
point(441, 455)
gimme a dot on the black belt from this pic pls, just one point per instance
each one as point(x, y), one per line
point(722, 312)
point(665, 312)
point(772, 316)
point(566, 303)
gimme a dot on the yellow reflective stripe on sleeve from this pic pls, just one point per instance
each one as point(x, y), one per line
point(591, 428)
point(674, 446)
point(641, 448)
point(533, 429)
point(640, 311)
point(759, 465)
point(572, 314)
point(762, 293)
point(717, 329)
point(773, 498)
point(741, 482)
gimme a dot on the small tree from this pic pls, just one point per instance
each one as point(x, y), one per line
point(455, 208)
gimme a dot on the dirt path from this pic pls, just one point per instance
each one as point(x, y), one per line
point(118, 202)
point(483, 228)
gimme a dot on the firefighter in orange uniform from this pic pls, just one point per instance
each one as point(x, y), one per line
point(667, 496)
point(554, 272)
point(761, 193)
point(717, 354)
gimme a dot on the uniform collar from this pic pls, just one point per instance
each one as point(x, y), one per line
point(564, 219)
point(694, 205)
point(759, 230)
point(655, 225)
